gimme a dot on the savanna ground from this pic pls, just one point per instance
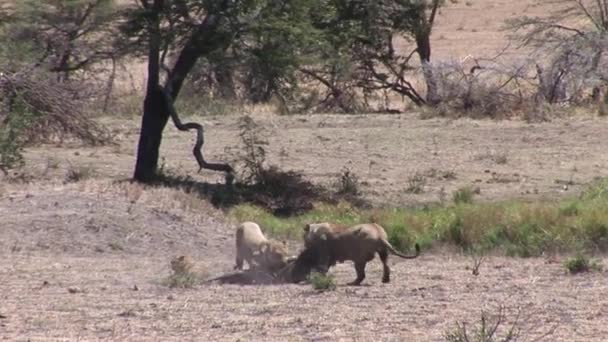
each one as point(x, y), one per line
point(86, 259)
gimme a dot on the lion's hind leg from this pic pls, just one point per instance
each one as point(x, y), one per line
point(386, 271)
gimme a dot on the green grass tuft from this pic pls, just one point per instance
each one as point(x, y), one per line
point(581, 264)
point(322, 282)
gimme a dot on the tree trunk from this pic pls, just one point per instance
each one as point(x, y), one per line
point(153, 123)
point(423, 43)
point(155, 111)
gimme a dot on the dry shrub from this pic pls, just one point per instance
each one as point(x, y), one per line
point(490, 328)
point(347, 189)
point(77, 173)
point(284, 193)
point(490, 91)
point(56, 109)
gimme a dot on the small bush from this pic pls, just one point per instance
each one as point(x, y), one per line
point(78, 173)
point(581, 264)
point(348, 184)
point(185, 280)
point(463, 195)
point(322, 282)
point(116, 246)
point(416, 183)
point(490, 328)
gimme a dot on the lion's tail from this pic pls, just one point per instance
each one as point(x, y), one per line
point(393, 251)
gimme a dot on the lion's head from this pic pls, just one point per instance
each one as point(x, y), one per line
point(272, 255)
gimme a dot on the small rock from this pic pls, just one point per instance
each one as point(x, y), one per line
point(74, 290)
point(128, 313)
point(170, 297)
point(3, 316)
point(135, 288)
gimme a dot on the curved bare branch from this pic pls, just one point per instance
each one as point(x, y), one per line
point(200, 140)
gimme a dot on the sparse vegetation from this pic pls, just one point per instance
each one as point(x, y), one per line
point(322, 282)
point(463, 195)
point(348, 184)
point(184, 280)
point(581, 264)
point(516, 228)
point(490, 328)
point(477, 259)
point(116, 246)
point(77, 173)
point(416, 183)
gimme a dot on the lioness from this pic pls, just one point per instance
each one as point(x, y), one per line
point(252, 246)
point(358, 243)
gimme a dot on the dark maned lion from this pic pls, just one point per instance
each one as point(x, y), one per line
point(359, 243)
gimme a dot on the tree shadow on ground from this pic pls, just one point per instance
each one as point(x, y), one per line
point(283, 193)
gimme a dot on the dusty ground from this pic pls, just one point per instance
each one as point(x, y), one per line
point(86, 260)
point(102, 236)
point(388, 153)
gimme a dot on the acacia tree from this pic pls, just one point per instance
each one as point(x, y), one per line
point(200, 37)
point(195, 29)
point(275, 40)
point(359, 50)
point(64, 36)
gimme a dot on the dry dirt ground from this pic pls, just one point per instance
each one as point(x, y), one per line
point(389, 154)
point(86, 260)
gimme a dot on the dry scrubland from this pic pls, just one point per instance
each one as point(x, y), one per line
point(85, 260)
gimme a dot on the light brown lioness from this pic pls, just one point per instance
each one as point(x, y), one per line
point(252, 246)
point(358, 243)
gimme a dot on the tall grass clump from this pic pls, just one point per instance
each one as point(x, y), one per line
point(514, 227)
point(581, 264)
